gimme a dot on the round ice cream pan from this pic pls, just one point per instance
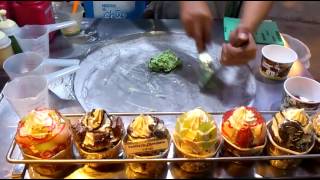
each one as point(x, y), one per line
point(195, 167)
point(112, 153)
point(52, 170)
point(150, 169)
point(274, 149)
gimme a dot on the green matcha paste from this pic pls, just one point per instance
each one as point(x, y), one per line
point(164, 62)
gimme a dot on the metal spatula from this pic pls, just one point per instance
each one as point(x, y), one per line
point(206, 68)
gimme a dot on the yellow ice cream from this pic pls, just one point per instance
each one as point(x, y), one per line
point(196, 132)
point(316, 124)
point(240, 117)
point(140, 126)
point(40, 124)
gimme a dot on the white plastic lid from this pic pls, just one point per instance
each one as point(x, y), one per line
point(8, 23)
point(4, 40)
point(8, 26)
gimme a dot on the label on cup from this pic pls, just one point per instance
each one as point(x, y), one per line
point(276, 61)
point(288, 102)
point(274, 70)
point(146, 146)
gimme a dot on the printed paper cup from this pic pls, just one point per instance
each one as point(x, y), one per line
point(52, 170)
point(275, 150)
point(194, 167)
point(148, 169)
point(301, 92)
point(112, 153)
point(276, 61)
point(229, 149)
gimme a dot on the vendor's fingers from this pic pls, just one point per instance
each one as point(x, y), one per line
point(224, 53)
point(188, 26)
point(199, 36)
point(207, 30)
point(236, 56)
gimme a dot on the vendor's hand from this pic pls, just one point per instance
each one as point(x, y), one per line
point(197, 21)
point(241, 49)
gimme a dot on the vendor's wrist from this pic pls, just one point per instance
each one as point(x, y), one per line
point(246, 28)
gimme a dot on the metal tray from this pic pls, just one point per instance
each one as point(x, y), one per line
point(261, 167)
point(116, 77)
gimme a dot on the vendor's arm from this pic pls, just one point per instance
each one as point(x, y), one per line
point(197, 21)
point(242, 46)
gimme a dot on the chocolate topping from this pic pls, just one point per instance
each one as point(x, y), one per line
point(98, 131)
point(156, 129)
point(292, 133)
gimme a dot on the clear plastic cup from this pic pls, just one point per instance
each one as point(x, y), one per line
point(27, 93)
point(36, 37)
point(64, 13)
point(30, 63)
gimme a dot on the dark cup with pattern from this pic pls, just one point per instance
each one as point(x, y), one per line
point(301, 92)
point(276, 61)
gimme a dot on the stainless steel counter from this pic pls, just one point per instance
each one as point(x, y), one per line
point(99, 31)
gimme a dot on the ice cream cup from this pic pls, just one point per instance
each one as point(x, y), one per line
point(178, 173)
point(277, 61)
point(52, 170)
point(194, 167)
point(112, 153)
point(274, 149)
point(236, 169)
point(148, 169)
point(229, 149)
point(301, 92)
point(315, 122)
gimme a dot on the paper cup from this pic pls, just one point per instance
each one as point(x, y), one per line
point(301, 92)
point(276, 61)
point(149, 169)
point(52, 170)
point(274, 149)
point(112, 153)
point(194, 167)
point(229, 149)
point(315, 119)
point(178, 173)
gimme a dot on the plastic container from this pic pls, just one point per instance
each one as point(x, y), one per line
point(30, 63)
point(33, 13)
point(5, 47)
point(10, 28)
point(35, 37)
point(114, 9)
point(300, 48)
point(64, 13)
point(27, 93)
